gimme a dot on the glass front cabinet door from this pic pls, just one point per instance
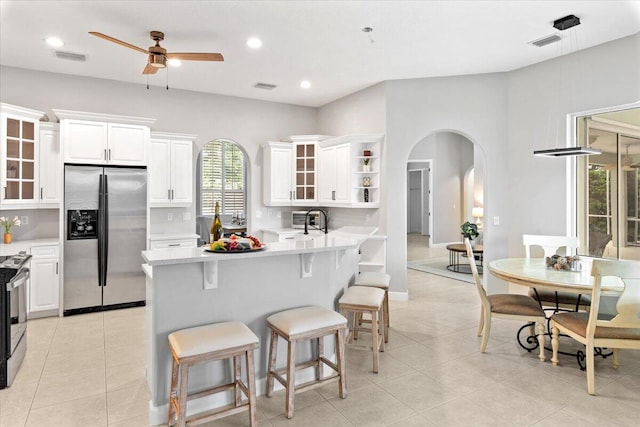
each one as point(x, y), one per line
point(20, 132)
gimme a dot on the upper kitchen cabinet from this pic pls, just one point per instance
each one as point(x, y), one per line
point(51, 168)
point(19, 156)
point(171, 170)
point(290, 173)
point(349, 171)
point(103, 139)
point(334, 173)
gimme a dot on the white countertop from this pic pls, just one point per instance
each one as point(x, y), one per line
point(321, 243)
point(25, 245)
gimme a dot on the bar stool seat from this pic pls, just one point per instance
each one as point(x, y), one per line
point(358, 300)
point(301, 324)
point(376, 280)
point(202, 344)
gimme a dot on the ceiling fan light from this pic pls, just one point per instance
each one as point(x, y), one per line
point(174, 62)
point(157, 61)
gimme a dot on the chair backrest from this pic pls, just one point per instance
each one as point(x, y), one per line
point(628, 305)
point(550, 244)
point(476, 276)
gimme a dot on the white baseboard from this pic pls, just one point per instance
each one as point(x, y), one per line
point(399, 296)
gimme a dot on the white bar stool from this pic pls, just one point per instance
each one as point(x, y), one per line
point(202, 344)
point(301, 324)
point(358, 300)
point(381, 281)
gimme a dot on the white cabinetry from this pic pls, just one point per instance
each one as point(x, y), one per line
point(342, 172)
point(277, 177)
point(50, 165)
point(19, 156)
point(290, 171)
point(103, 139)
point(171, 170)
point(172, 243)
point(334, 187)
point(44, 285)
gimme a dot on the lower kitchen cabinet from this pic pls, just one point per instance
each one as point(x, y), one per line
point(44, 285)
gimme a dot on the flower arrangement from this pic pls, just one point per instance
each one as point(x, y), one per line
point(469, 230)
point(7, 223)
point(558, 262)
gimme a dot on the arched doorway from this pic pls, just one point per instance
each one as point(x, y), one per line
point(455, 169)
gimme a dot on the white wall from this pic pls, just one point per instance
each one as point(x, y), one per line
point(245, 121)
point(473, 106)
point(603, 76)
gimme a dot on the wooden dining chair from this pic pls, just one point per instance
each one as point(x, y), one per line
point(592, 329)
point(551, 245)
point(505, 306)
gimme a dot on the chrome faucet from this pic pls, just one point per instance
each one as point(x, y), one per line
point(326, 220)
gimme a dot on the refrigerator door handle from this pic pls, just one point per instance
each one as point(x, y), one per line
point(100, 228)
point(106, 231)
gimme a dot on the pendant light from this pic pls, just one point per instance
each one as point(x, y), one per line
point(564, 24)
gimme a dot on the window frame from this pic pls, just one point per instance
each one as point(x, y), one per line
point(223, 190)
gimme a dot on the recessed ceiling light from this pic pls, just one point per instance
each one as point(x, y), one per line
point(254, 43)
point(54, 41)
point(305, 84)
point(174, 62)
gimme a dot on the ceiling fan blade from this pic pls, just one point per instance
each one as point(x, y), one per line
point(196, 56)
point(150, 69)
point(120, 42)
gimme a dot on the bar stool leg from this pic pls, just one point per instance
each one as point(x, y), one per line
point(182, 394)
point(172, 391)
point(251, 378)
point(291, 374)
point(374, 339)
point(382, 324)
point(386, 316)
point(342, 382)
point(319, 361)
point(273, 351)
point(236, 379)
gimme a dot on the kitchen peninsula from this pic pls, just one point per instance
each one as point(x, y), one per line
point(187, 287)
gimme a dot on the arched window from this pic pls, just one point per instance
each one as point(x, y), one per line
point(222, 178)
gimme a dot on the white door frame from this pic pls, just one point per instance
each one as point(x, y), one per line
point(430, 167)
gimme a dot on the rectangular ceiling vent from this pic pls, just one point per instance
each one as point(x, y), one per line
point(265, 86)
point(70, 56)
point(546, 40)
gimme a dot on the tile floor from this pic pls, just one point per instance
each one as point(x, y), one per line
point(88, 371)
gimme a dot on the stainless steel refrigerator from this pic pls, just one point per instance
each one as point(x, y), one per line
point(105, 231)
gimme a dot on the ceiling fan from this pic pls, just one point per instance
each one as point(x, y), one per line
point(158, 55)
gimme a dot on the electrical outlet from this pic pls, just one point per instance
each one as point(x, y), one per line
point(169, 216)
point(496, 220)
point(258, 214)
point(24, 220)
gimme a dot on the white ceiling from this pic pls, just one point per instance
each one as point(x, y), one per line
point(321, 41)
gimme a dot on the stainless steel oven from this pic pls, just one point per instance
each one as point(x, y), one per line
point(14, 273)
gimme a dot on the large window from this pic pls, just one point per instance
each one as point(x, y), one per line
point(608, 211)
point(222, 178)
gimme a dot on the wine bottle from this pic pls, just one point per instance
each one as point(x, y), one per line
point(216, 226)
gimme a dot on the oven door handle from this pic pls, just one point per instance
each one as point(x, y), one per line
point(19, 280)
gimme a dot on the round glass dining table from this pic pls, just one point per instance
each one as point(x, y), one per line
point(534, 273)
